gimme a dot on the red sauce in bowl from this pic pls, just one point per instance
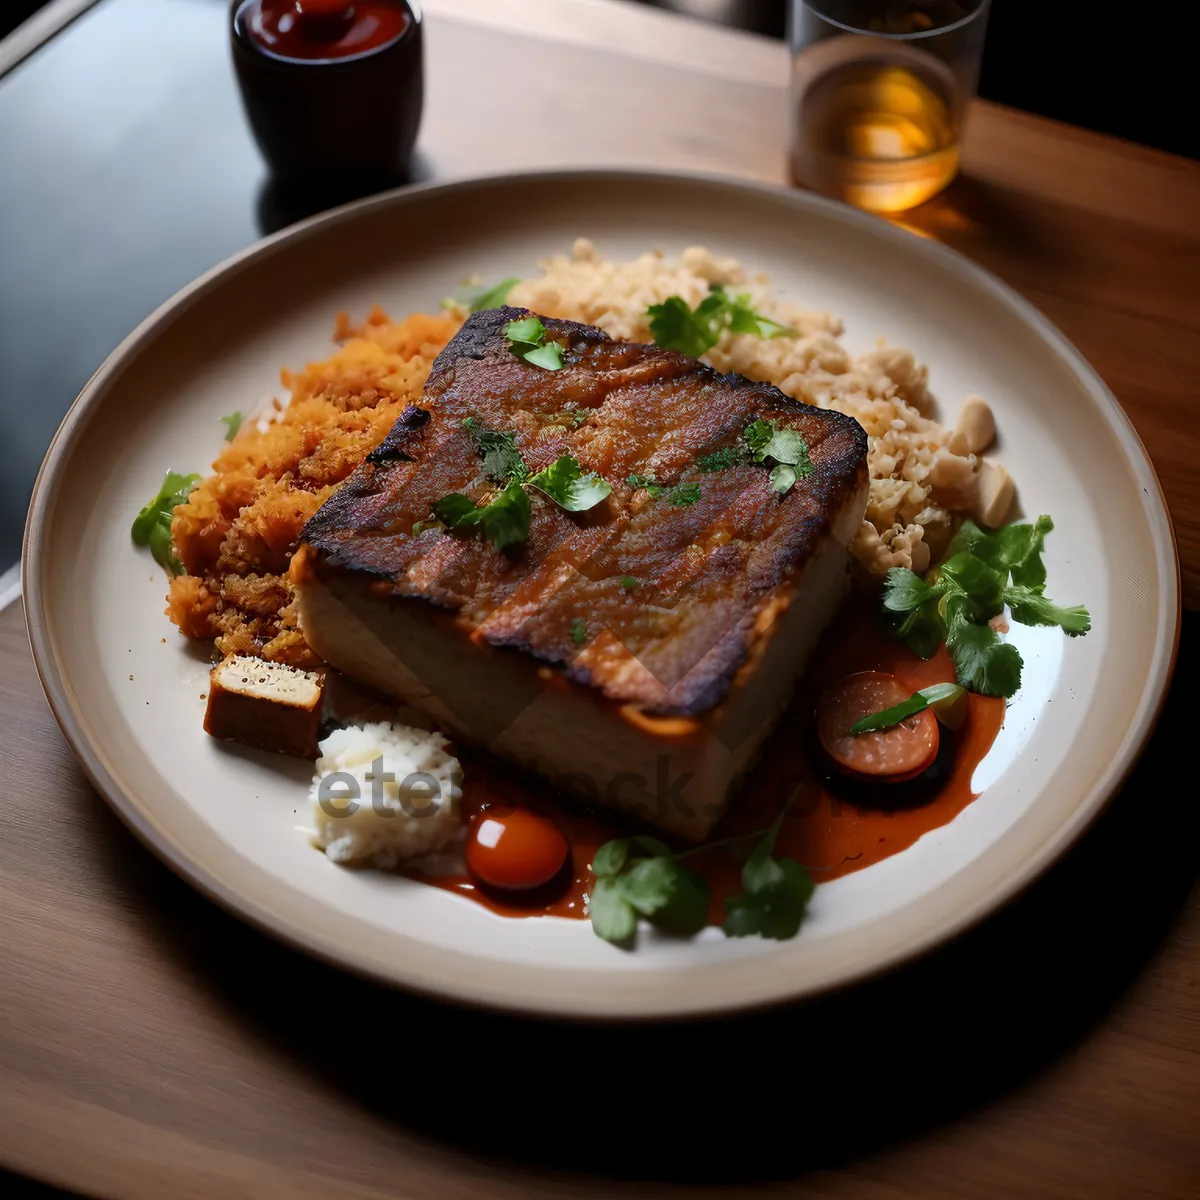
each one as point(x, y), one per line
point(320, 30)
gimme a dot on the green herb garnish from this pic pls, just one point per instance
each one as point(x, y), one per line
point(493, 297)
point(777, 893)
point(502, 460)
point(578, 631)
point(648, 484)
point(685, 495)
point(720, 460)
point(956, 602)
point(232, 424)
point(152, 526)
point(527, 340)
point(640, 876)
point(505, 518)
point(694, 331)
point(629, 583)
point(937, 696)
point(567, 485)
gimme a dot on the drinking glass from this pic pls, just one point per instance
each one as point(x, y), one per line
point(879, 91)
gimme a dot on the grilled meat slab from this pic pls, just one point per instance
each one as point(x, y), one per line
point(652, 614)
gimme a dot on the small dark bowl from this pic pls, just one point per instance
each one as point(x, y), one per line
point(338, 126)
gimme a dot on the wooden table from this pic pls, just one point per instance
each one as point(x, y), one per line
point(151, 1045)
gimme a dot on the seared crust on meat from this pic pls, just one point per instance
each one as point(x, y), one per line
point(706, 573)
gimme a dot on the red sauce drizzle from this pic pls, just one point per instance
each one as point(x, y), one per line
point(315, 30)
point(833, 827)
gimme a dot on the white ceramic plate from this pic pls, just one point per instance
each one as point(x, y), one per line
point(130, 705)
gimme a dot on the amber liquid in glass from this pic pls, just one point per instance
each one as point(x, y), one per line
point(877, 133)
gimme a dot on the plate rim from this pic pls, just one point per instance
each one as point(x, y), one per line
point(58, 693)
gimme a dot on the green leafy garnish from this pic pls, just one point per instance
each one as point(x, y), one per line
point(493, 297)
point(232, 424)
point(640, 876)
point(502, 460)
point(570, 417)
point(578, 631)
point(743, 319)
point(675, 326)
point(694, 331)
point(567, 485)
point(719, 460)
point(505, 518)
point(647, 482)
point(152, 526)
point(629, 583)
point(1030, 607)
point(685, 495)
point(527, 340)
point(957, 600)
point(777, 893)
point(935, 696)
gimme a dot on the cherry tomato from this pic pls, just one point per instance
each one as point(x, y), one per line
point(515, 849)
point(888, 755)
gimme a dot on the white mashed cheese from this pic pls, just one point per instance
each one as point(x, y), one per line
point(384, 794)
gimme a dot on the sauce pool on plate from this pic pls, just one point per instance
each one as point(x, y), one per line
point(835, 825)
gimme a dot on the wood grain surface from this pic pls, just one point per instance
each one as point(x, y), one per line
point(152, 1045)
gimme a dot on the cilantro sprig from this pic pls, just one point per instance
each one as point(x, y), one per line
point(505, 517)
point(982, 574)
point(695, 331)
point(566, 483)
point(232, 424)
point(782, 449)
point(641, 877)
point(152, 526)
point(527, 340)
point(502, 459)
point(493, 297)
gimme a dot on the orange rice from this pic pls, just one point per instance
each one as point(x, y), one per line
point(236, 533)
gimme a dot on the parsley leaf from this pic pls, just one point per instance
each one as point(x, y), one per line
point(578, 631)
point(640, 875)
point(502, 460)
point(493, 297)
point(719, 460)
point(743, 319)
point(613, 917)
point(629, 583)
point(770, 441)
point(647, 483)
point(694, 332)
point(673, 896)
point(685, 495)
point(776, 896)
point(782, 478)
point(232, 424)
point(982, 662)
point(527, 340)
point(567, 485)
point(505, 518)
point(152, 526)
point(957, 600)
point(1030, 607)
point(905, 590)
